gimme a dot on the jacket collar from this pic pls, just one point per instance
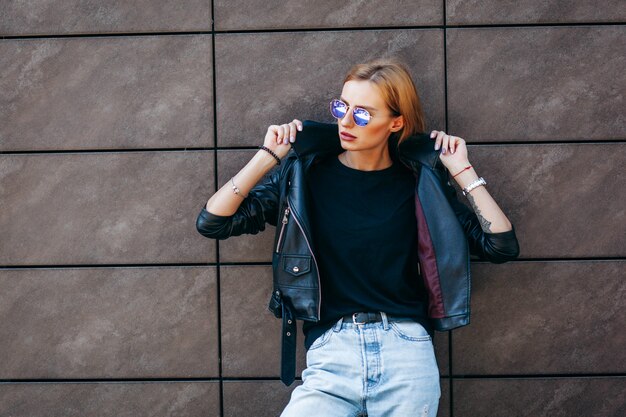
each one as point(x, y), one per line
point(320, 139)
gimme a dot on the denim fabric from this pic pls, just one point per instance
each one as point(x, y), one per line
point(376, 369)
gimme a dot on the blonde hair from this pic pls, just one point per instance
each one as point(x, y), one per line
point(398, 90)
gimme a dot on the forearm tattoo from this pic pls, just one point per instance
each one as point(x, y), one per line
point(484, 223)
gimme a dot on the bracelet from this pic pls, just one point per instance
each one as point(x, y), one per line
point(236, 189)
point(467, 167)
point(265, 148)
point(480, 181)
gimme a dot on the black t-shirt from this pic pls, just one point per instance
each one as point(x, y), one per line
point(365, 235)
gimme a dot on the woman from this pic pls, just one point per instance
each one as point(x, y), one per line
point(372, 247)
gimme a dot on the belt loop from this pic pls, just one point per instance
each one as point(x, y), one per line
point(338, 325)
point(383, 315)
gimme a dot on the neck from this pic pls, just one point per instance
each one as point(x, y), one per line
point(367, 160)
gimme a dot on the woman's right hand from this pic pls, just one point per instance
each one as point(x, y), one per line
point(280, 137)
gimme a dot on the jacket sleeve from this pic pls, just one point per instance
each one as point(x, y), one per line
point(493, 247)
point(258, 208)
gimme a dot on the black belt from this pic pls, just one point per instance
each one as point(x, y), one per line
point(288, 349)
point(363, 317)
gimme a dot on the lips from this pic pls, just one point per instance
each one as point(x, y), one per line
point(346, 135)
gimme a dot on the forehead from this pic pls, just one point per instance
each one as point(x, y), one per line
point(363, 93)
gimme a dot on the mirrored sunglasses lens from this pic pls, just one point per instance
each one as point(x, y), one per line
point(338, 109)
point(361, 117)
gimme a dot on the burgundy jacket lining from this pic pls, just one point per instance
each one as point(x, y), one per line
point(428, 264)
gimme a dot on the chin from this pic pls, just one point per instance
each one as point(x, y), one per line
point(348, 146)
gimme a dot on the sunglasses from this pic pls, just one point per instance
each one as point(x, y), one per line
point(339, 109)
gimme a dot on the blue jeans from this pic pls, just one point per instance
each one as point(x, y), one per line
point(376, 369)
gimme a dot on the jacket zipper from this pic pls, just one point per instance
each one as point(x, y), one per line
point(319, 286)
point(282, 229)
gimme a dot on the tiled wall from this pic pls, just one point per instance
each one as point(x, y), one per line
point(119, 119)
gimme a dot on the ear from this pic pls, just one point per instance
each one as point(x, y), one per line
point(397, 124)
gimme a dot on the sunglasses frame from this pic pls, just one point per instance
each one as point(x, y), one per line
point(354, 109)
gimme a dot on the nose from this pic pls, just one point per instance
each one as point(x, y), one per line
point(347, 118)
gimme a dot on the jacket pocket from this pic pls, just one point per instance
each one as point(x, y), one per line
point(296, 265)
point(296, 272)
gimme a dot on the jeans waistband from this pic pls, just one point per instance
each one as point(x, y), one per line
point(364, 317)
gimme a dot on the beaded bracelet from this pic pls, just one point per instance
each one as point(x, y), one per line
point(466, 168)
point(265, 148)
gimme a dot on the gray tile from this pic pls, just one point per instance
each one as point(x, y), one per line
point(43, 17)
point(107, 323)
point(295, 75)
point(565, 200)
point(278, 14)
point(528, 84)
point(544, 318)
point(256, 398)
point(251, 335)
point(244, 248)
point(106, 93)
point(539, 397)
point(444, 401)
point(104, 208)
point(442, 343)
point(133, 399)
point(534, 11)
point(248, 248)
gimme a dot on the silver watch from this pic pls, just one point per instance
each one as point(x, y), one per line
point(478, 182)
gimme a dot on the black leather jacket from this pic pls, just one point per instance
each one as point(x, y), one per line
point(449, 233)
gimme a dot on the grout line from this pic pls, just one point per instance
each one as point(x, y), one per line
point(450, 377)
point(269, 263)
point(445, 76)
point(543, 376)
point(90, 266)
point(217, 243)
point(309, 29)
point(252, 148)
point(446, 124)
point(104, 380)
point(276, 378)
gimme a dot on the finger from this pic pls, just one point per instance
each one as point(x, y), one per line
point(292, 132)
point(433, 135)
point(298, 123)
point(273, 129)
point(445, 143)
point(286, 134)
point(439, 140)
point(277, 131)
point(281, 134)
point(453, 140)
point(457, 142)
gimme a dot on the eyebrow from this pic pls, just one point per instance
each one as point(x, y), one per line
point(365, 107)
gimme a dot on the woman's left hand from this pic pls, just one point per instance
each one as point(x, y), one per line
point(453, 153)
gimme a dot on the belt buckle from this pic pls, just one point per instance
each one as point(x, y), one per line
point(354, 319)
